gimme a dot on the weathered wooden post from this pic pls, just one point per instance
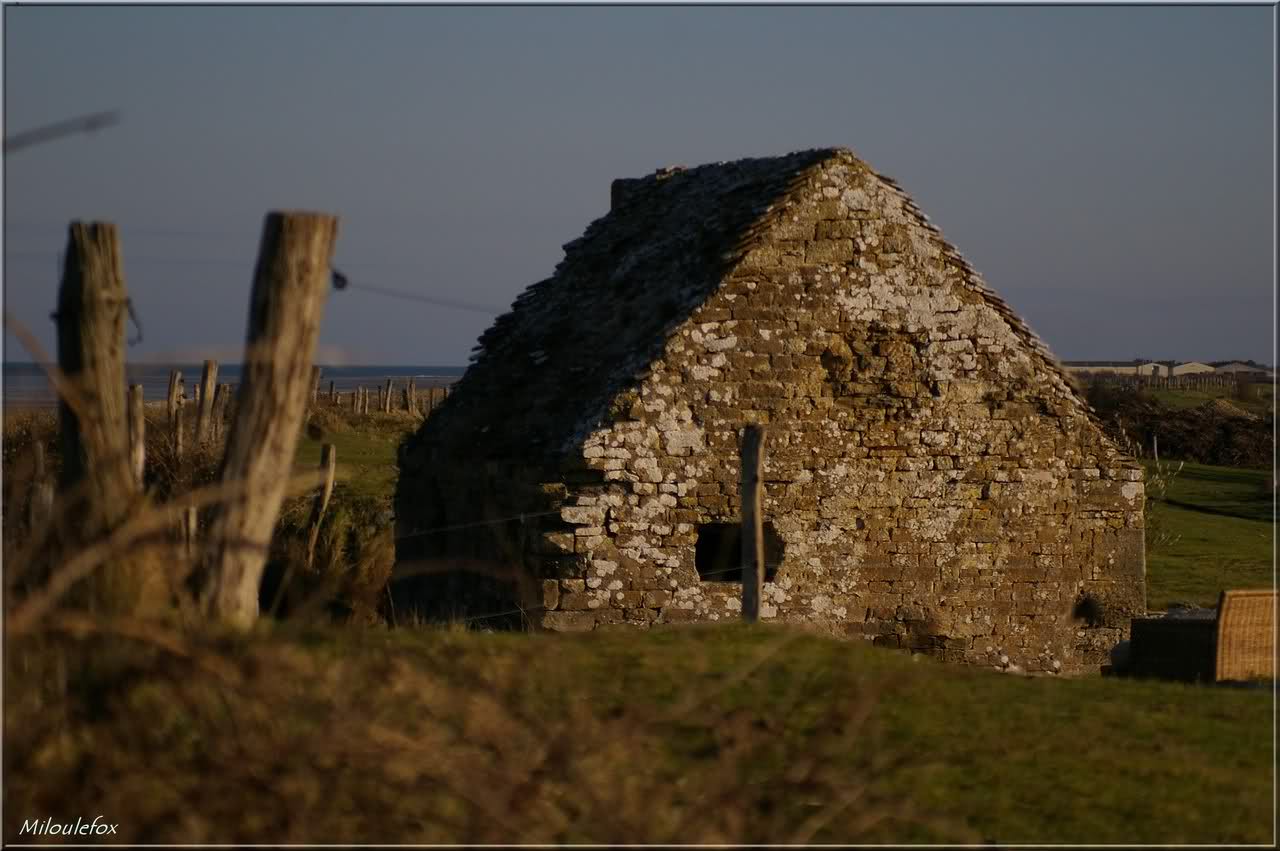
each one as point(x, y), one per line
point(329, 465)
point(178, 416)
point(386, 396)
point(315, 384)
point(92, 306)
point(752, 522)
point(411, 396)
point(208, 381)
point(174, 399)
point(189, 525)
point(290, 283)
point(333, 395)
point(137, 433)
point(378, 390)
point(40, 505)
point(220, 399)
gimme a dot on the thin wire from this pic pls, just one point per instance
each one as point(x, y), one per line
point(340, 281)
point(195, 261)
point(476, 524)
point(492, 615)
point(60, 226)
point(49, 132)
point(774, 565)
point(438, 302)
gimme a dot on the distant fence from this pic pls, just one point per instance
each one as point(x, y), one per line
point(1202, 381)
point(387, 396)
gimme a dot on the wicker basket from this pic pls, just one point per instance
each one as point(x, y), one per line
point(1246, 635)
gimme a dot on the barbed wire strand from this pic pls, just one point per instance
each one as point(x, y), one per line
point(476, 524)
point(340, 281)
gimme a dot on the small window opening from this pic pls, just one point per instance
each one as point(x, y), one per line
point(1089, 610)
point(718, 554)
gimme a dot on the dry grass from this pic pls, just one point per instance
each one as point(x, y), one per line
point(714, 734)
point(205, 738)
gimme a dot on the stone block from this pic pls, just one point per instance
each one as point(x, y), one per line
point(569, 621)
point(657, 599)
point(550, 594)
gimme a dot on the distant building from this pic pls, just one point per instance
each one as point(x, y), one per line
point(1110, 367)
point(1235, 367)
point(1191, 368)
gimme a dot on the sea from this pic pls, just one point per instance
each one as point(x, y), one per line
point(27, 386)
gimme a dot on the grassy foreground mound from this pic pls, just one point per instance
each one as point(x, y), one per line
point(698, 734)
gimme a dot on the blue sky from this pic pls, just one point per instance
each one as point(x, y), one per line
point(1109, 170)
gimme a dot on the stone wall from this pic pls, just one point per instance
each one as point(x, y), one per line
point(935, 482)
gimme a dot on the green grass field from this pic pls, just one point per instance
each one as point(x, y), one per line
point(366, 450)
point(1262, 400)
point(1221, 534)
point(713, 733)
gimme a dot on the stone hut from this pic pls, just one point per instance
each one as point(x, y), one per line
point(933, 481)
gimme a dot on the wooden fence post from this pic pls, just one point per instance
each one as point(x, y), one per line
point(173, 400)
point(752, 522)
point(208, 381)
point(386, 396)
point(40, 505)
point(333, 396)
point(92, 306)
point(329, 467)
point(329, 464)
point(190, 524)
point(220, 400)
point(137, 433)
point(178, 432)
point(315, 384)
point(411, 396)
point(291, 280)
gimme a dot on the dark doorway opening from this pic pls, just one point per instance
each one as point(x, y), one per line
point(718, 554)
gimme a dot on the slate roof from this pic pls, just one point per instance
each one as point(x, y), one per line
point(573, 341)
